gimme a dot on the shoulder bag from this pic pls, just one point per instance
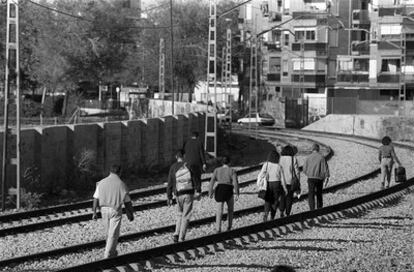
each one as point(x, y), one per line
point(262, 183)
point(295, 185)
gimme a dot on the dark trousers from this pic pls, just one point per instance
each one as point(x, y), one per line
point(275, 198)
point(315, 187)
point(195, 170)
point(289, 199)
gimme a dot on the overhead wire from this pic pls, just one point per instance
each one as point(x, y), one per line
point(90, 20)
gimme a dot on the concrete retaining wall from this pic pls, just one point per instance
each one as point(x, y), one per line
point(375, 126)
point(60, 156)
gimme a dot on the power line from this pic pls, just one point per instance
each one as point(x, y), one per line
point(91, 21)
point(60, 11)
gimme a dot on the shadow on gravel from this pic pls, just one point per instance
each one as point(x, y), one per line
point(326, 240)
point(235, 266)
point(393, 218)
point(301, 248)
point(363, 225)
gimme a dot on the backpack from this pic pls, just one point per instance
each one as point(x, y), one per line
point(183, 179)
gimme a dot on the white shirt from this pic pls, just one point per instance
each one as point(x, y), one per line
point(274, 172)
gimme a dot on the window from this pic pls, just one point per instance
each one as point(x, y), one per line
point(287, 39)
point(390, 31)
point(276, 36)
point(310, 35)
point(308, 64)
point(345, 65)
point(305, 34)
point(390, 65)
point(274, 65)
point(361, 65)
point(285, 67)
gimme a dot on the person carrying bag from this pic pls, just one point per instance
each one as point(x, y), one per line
point(223, 191)
point(275, 186)
point(262, 183)
point(291, 170)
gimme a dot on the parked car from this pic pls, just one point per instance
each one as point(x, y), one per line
point(263, 119)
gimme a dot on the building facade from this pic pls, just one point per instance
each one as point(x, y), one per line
point(345, 49)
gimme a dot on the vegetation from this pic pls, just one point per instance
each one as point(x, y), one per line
point(101, 41)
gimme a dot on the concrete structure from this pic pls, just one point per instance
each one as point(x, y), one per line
point(57, 155)
point(225, 95)
point(375, 126)
point(360, 49)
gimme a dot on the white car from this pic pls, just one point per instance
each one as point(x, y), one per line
point(263, 119)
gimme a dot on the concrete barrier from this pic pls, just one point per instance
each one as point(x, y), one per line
point(55, 155)
point(375, 126)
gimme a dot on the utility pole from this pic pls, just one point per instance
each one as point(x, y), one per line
point(161, 76)
point(211, 117)
point(252, 82)
point(402, 84)
point(12, 70)
point(172, 57)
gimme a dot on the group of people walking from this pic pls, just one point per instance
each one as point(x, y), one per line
point(278, 182)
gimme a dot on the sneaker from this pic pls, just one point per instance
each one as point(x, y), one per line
point(175, 238)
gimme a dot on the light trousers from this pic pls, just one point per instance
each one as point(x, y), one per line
point(184, 209)
point(112, 223)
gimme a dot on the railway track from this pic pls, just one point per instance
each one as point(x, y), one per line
point(22, 222)
point(139, 235)
point(327, 150)
point(200, 246)
point(137, 261)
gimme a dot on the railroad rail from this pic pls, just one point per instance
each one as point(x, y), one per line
point(87, 204)
point(164, 229)
point(271, 229)
point(199, 246)
point(207, 220)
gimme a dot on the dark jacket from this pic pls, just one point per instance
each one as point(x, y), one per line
point(171, 185)
point(194, 152)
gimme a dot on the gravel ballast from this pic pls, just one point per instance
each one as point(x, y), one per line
point(343, 167)
point(379, 241)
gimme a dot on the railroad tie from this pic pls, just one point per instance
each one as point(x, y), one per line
point(220, 246)
point(211, 248)
point(149, 264)
point(138, 267)
point(172, 258)
point(239, 242)
point(253, 237)
point(123, 268)
point(192, 253)
point(202, 251)
point(183, 255)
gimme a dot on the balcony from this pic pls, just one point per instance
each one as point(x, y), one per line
point(311, 46)
point(319, 80)
point(390, 11)
point(273, 47)
point(387, 46)
point(273, 77)
point(352, 77)
point(360, 17)
point(360, 48)
point(275, 16)
point(388, 78)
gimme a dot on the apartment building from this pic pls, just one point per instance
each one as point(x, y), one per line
point(342, 48)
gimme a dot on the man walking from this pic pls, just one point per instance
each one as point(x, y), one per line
point(110, 194)
point(317, 170)
point(195, 157)
point(183, 186)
